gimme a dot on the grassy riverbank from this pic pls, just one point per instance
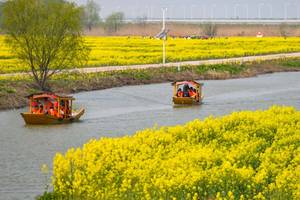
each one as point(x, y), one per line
point(14, 89)
point(244, 155)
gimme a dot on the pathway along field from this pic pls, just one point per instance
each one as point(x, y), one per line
point(190, 63)
point(185, 63)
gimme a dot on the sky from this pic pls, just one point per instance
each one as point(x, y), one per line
point(195, 9)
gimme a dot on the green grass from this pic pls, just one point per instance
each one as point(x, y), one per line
point(292, 63)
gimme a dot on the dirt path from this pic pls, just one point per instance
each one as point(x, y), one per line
point(190, 63)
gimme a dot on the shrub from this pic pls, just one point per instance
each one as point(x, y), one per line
point(245, 155)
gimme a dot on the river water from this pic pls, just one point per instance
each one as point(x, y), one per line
point(122, 111)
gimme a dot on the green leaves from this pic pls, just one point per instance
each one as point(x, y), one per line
point(46, 35)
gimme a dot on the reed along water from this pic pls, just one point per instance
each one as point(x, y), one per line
point(122, 111)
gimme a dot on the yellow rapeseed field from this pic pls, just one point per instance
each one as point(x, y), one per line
point(245, 155)
point(107, 51)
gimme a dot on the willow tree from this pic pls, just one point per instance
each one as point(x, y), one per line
point(46, 35)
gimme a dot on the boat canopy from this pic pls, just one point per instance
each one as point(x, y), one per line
point(187, 82)
point(50, 95)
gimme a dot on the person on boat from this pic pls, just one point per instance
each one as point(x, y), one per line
point(34, 106)
point(47, 105)
point(35, 109)
point(186, 90)
point(55, 110)
point(51, 111)
point(40, 110)
point(61, 110)
point(67, 108)
point(179, 93)
point(192, 92)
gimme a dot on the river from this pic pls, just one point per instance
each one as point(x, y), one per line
point(122, 111)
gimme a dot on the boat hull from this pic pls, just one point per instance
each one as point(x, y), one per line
point(186, 101)
point(31, 118)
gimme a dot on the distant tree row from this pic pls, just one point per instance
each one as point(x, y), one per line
point(92, 18)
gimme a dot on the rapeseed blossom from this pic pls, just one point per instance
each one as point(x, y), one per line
point(111, 51)
point(244, 155)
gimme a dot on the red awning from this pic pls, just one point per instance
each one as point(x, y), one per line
point(42, 96)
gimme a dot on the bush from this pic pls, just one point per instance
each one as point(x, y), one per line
point(209, 29)
point(245, 155)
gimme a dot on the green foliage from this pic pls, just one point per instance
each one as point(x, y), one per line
point(291, 63)
point(91, 14)
point(4, 89)
point(45, 35)
point(230, 68)
point(50, 196)
point(114, 22)
point(1, 14)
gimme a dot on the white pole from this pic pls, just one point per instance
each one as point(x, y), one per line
point(164, 51)
point(164, 38)
point(164, 23)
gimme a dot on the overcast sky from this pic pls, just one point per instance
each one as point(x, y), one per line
point(202, 8)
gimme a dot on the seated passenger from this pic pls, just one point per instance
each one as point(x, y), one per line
point(47, 105)
point(192, 93)
point(67, 108)
point(179, 93)
point(51, 111)
point(40, 110)
point(186, 90)
point(34, 104)
point(35, 109)
point(61, 111)
point(55, 110)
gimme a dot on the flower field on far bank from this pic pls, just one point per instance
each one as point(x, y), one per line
point(244, 155)
point(110, 51)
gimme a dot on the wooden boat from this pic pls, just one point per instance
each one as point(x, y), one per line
point(62, 105)
point(184, 86)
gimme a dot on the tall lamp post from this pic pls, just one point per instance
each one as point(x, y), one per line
point(164, 10)
point(163, 35)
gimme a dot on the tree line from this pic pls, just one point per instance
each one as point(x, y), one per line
point(90, 17)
